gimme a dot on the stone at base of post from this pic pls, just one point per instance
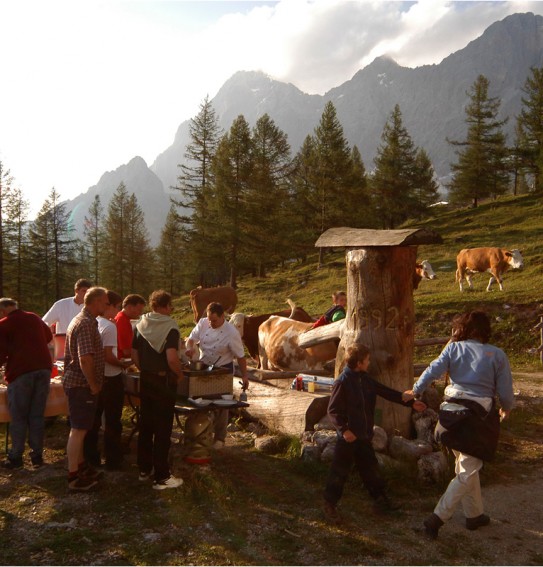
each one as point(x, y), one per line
point(198, 438)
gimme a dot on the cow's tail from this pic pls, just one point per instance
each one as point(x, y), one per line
point(292, 307)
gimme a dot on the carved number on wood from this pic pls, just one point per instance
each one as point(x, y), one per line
point(376, 319)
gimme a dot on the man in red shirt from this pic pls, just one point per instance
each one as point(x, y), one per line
point(24, 340)
point(133, 305)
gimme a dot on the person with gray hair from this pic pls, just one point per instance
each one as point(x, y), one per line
point(23, 333)
point(82, 380)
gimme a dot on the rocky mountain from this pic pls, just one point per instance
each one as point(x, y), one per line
point(138, 179)
point(432, 99)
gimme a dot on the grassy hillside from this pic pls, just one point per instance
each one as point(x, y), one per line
point(513, 222)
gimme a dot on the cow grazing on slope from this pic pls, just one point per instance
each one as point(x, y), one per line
point(423, 271)
point(201, 297)
point(494, 260)
point(248, 325)
point(278, 346)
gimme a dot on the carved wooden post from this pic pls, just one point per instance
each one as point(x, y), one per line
point(380, 308)
point(381, 315)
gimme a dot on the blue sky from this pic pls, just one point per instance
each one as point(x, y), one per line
point(89, 84)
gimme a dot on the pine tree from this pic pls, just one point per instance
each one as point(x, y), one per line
point(358, 208)
point(17, 209)
point(393, 183)
point(481, 169)
point(530, 123)
point(5, 188)
point(268, 191)
point(232, 169)
point(194, 184)
point(424, 183)
point(172, 253)
point(94, 233)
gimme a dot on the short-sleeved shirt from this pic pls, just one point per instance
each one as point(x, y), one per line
point(62, 312)
point(82, 338)
point(150, 360)
point(219, 346)
point(125, 334)
point(108, 332)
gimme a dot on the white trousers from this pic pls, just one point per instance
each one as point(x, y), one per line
point(465, 487)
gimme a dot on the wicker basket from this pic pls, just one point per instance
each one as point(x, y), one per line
point(200, 384)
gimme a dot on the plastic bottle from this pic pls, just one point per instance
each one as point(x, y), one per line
point(299, 383)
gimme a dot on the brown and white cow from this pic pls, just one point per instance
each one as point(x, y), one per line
point(494, 260)
point(248, 325)
point(423, 271)
point(278, 346)
point(201, 297)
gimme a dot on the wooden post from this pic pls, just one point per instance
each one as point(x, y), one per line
point(381, 315)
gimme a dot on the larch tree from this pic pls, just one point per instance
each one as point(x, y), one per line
point(171, 254)
point(425, 187)
point(268, 192)
point(393, 182)
point(481, 169)
point(232, 170)
point(194, 183)
point(530, 126)
point(5, 188)
point(93, 230)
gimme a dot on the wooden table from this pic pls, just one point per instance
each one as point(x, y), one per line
point(198, 426)
point(57, 404)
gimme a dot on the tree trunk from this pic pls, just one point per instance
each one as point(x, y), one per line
point(381, 315)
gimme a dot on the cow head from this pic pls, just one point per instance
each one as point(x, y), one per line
point(426, 271)
point(514, 258)
point(238, 320)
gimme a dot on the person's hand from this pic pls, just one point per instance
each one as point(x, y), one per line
point(504, 414)
point(349, 436)
point(95, 389)
point(245, 382)
point(419, 406)
point(189, 352)
point(407, 396)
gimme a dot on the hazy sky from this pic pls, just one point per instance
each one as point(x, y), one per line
point(87, 85)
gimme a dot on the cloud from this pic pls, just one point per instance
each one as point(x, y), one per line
point(89, 85)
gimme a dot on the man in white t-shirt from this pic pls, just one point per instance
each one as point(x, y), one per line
point(219, 342)
point(111, 397)
point(62, 312)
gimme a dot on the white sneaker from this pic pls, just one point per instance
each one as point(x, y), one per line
point(170, 482)
point(218, 444)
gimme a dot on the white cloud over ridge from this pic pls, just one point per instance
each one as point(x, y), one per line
point(92, 84)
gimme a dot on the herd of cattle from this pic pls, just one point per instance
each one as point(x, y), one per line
point(272, 338)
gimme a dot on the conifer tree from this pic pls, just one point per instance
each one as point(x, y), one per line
point(232, 169)
point(172, 253)
point(268, 191)
point(424, 183)
point(17, 209)
point(194, 184)
point(94, 233)
point(5, 188)
point(481, 170)
point(394, 179)
point(530, 126)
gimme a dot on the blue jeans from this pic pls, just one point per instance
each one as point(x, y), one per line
point(27, 396)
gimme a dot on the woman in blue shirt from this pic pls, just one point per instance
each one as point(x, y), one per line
point(478, 373)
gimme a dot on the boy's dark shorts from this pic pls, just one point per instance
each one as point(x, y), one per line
point(82, 404)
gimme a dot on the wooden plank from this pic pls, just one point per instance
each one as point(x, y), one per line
point(321, 334)
point(282, 409)
point(349, 237)
point(432, 341)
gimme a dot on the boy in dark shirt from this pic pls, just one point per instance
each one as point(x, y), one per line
point(351, 410)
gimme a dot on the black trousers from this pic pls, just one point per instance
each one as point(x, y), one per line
point(157, 402)
point(362, 455)
point(110, 404)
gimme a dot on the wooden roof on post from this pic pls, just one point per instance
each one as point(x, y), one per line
point(345, 237)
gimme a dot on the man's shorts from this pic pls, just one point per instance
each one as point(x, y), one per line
point(82, 405)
